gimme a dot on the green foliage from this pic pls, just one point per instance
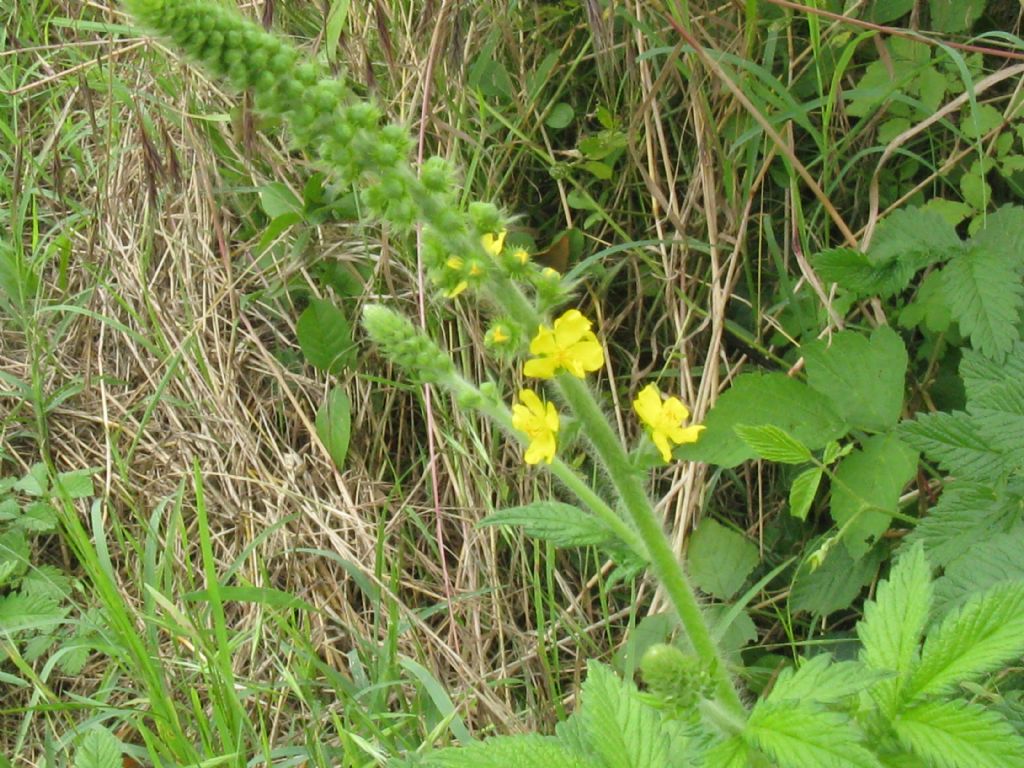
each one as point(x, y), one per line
point(36, 599)
point(562, 524)
point(334, 425)
point(720, 559)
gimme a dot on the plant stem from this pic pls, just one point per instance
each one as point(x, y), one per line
point(664, 562)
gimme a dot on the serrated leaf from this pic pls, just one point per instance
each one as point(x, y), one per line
point(966, 514)
point(99, 748)
point(866, 488)
point(77, 484)
point(719, 559)
point(981, 636)
point(955, 734)
point(773, 444)
point(325, 337)
point(528, 751)
point(14, 554)
point(276, 199)
point(799, 735)
point(757, 399)
point(852, 271)
point(36, 481)
point(1004, 232)
point(835, 584)
point(954, 441)
point(890, 632)
point(20, 612)
point(985, 296)
point(989, 381)
point(562, 524)
point(997, 557)
point(732, 753)
point(621, 730)
point(823, 680)
point(863, 377)
point(802, 492)
point(334, 425)
point(915, 236)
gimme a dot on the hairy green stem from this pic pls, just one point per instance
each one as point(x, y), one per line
point(666, 566)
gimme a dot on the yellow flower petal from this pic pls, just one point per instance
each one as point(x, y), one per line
point(664, 419)
point(539, 421)
point(540, 368)
point(493, 243)
point(457, 290)
point(454, 262)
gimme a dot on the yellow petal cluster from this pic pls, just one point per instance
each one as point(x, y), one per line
point(570, 346)
point(538, 420)
point(665, 420)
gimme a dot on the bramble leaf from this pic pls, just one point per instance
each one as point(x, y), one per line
point(756, 399)
point(863, 377)
point(866, 490)
point(720, 559)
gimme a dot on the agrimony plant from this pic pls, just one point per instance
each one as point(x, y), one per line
point(896, 705)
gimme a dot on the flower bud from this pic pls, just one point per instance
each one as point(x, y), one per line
point(405, 345)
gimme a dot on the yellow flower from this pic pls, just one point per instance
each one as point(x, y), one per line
point(570, 345)
point(665, 419)
point(494, 243)
point(520, 255)
point(459, 288)
point(539, 421)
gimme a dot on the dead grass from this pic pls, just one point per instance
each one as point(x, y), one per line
point(177, 362)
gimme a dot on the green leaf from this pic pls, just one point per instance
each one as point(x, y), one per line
point(835, 584)
point(954, 441)
point(983, 635)
point(985, 296)
point(966, 514)
point(996, 555)
point(325, 337)
point(890, 632)
point(1004, 233)
point(21, 611)
point(99, 748)
point(955, 15)
point(955, 734)
point(799, 735)
point(14, 554)
point(276, 199)
point(732, 753)
point(773, 444)
point(802, 492)
point(562, 524)
point(864, 378)
point(621, 730)
point(78, 483)
point(757, 399)
point(528, 751)
point(917, 237)
point(852, 271)
point(822, 680)
point(560, 116)
point(866, 488)
point(720, 559)
point(334, 425)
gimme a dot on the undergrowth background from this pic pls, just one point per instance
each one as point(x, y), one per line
point(177, 238)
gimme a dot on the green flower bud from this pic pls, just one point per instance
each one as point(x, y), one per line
point(671, 674)
point(405, 345)
point(485, 217)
